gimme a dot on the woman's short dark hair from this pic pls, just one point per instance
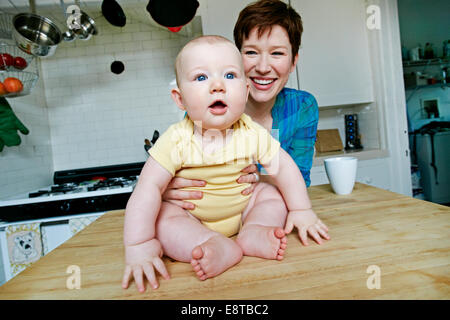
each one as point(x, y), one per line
point(263, 15)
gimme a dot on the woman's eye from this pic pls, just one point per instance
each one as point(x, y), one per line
point(278, 53)
point(229, 76)
point(201, 78)
point(250, 52)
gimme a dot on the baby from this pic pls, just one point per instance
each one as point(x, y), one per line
point(214, 142)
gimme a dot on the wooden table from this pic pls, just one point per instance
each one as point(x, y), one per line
point(407, 239)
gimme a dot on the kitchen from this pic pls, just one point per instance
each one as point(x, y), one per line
point(82, 115)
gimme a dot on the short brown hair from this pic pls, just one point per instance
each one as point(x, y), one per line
point(263, 15)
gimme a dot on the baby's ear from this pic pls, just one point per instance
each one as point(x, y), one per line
point(176, 96)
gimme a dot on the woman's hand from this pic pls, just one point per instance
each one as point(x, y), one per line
point(251, 176)
point(176, 196)
point(141, 259)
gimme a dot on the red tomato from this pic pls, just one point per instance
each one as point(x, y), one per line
point(20, 63)
point(6, 60)
point(13, 84)
point(2, 89)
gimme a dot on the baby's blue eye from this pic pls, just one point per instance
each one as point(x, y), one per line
point(201, 78)
point(229, 76)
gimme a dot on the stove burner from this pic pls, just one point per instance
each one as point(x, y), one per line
point(111, 183)
point(65, 187)
point(92, 185)
point(38, 194)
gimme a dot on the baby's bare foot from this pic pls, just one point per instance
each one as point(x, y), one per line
point(262, 241)
point(214, 256)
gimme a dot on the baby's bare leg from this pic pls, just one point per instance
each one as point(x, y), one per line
point(262, 234)
point(186, 239)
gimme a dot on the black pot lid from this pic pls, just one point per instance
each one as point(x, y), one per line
point(117, 67)
point(113, 13)
point(172, 13)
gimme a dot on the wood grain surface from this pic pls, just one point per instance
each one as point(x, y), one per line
point(408, 239)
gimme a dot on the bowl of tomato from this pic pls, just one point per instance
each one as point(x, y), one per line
point(17, 83)
point(12, 58)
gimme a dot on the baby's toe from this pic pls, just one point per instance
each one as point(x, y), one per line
point(279, 233)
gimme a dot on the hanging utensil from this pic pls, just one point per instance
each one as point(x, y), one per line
point(35, 34)
point(84, 31)
point(172, 14)
point(113, 13)
point(81, 25)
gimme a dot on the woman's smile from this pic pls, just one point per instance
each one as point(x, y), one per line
point(262, 83)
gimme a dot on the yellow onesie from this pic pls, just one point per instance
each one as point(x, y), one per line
point(181, 153)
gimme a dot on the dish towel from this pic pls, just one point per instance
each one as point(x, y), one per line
point(24, 245)
point(78, 224)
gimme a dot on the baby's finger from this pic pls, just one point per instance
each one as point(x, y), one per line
point(288, 227)
point(322, 232)
point(150, 274)
point(160, 266)
point(322, 225)
point(137, 274)
point(126, 277)
point(313, 233)
point(303, 235)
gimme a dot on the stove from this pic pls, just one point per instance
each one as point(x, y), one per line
point(78, 191)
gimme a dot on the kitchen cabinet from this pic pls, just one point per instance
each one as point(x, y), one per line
point(334, 61)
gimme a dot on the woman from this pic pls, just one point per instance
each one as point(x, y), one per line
point(268, 34)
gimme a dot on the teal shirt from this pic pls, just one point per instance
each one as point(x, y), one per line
point(295, 117)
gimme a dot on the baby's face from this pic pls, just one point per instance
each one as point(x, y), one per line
point(212, 85)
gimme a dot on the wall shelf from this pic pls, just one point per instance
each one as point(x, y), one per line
point(435, 85)
point(427, 62)
point(362, 154)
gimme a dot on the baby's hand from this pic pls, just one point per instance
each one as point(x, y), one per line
point(144, 257)
point(306, 222)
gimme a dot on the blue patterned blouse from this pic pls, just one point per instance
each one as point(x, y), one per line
point(296, 115)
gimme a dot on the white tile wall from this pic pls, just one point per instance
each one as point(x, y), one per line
point(80, 114)
point(28, 166)
point(100, 118)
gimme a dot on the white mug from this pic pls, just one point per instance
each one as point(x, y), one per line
point(341, 172)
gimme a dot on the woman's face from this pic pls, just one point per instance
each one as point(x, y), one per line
point(267, 62)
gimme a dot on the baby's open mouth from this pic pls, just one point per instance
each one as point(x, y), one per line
point(218, 107)
point(218, 104)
